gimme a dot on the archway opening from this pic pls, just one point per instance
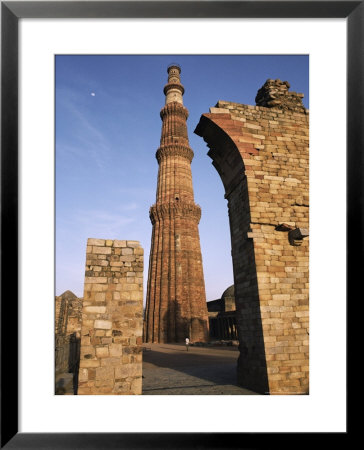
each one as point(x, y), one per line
point(229, 163)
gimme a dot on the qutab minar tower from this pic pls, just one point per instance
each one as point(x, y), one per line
point(176, 300)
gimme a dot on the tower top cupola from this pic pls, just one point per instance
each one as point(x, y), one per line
point(174, 90)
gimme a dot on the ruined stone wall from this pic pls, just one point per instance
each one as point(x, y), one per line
point(67, 313)
point(67, 341)
point(112, 319)
point(261, 154)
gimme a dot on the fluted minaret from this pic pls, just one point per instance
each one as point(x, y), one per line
point(176, 299)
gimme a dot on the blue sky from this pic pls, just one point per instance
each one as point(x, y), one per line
point(107, 132)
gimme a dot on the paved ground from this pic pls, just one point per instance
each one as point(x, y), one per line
point(168, 369)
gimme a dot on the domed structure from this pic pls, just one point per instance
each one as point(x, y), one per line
point(228, 299)
point(229, 292)
point(222, 320)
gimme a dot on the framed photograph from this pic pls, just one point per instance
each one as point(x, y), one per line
point(28, 221)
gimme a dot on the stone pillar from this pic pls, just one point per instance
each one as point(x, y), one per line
point(112, 319)
point(220, 332)
point(230, 328)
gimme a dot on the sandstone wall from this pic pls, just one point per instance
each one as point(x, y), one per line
point(112, 319)
point(261, 154)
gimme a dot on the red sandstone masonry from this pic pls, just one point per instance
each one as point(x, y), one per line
point(268, 196)
point(112, 316)
point(176, 300)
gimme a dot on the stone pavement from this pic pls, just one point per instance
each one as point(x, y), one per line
point(168, 369)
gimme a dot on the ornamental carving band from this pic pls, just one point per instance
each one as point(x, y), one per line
point(174, 108)
point(174, 150)
point(170, 86)
point(180, 208)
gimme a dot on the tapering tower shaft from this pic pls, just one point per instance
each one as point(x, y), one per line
point(176, 300)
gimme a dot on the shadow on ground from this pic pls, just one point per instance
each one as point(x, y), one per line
point(170, 369)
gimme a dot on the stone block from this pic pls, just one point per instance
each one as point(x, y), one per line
point(105, 373)
point(111, 362)
point(102, 352)
point(87, 350)
point(100, 297)
point(93, 280)
point(136, 386)
point(96, 242)
point(119, 243)
point(95, 309)
point(100, 333)
point(128, 370)
point(116, 349)
point(102, 250)
point(103, 324)
point(127, 258)
point(133, 244)
point(85, 363)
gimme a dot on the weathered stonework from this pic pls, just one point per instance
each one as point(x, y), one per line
point(112, 319)
point(261, 154)
point(275, 94)
point(67, 342)
point(68, 314)
point(176, 300)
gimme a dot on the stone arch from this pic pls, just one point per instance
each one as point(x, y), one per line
point(221, 134)
point(261, 155)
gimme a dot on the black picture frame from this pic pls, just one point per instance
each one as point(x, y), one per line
point(11, 12)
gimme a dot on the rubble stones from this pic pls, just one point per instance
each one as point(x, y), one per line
point(275, 94)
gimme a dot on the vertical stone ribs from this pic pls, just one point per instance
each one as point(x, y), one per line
point(176, 300)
